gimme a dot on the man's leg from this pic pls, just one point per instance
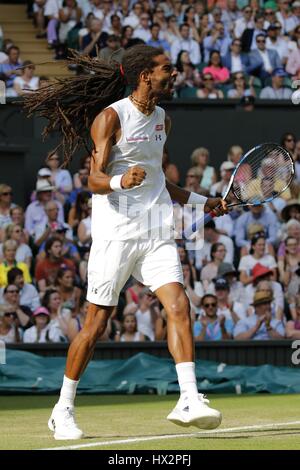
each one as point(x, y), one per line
point(192, 408)
point(80, 352)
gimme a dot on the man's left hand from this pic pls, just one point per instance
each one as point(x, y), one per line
point(216, 205)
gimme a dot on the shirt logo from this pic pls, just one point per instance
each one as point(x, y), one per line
point(159, 127)
point(139, 138)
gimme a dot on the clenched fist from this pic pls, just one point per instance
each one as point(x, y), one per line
point(133, 177)
point(216, 205)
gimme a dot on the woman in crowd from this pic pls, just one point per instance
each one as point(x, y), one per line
point(172, 31)
point(69, 15)
point(60, 178)
point(59, 316)
point(76, 324)
point(215, 67)
point(129, 331)
point(41, 331)
point(27, 82)
point(200, 158)
point(291, 229)
point(208, 90)
point(68, 291)
point(9, 331)
point(5, 205)
point(85, 162)
point(292, 328)
point(127, 33)
point(239, 86)
point(79, 211)
point(210, 270)
point(23, 254)
point(289, 265)
point(9, 249)
point(253, 230)
point(187, 75)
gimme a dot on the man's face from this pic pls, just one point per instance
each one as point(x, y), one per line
point(259, 23)
point(96, 26)
point(113, 44)
point(52, 211)
point(210, 306)
point(263, 309)
point(277, 82)
point(256, 210)
point(145, 20)
point(247, 13)
point(162, 77)
point(261, 43)
point(155, 32)
point(185, 32)
point(19, 281)
point(44, 196)
point(14, 56)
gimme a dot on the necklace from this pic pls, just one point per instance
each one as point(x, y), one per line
point(147, 108)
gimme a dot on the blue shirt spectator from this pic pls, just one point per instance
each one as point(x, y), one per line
point(256, 215)
point(13, 63)
point(154, 41)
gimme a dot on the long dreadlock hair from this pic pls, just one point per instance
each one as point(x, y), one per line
point(71, 104)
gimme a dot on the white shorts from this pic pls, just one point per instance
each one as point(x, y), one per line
point(152, 262)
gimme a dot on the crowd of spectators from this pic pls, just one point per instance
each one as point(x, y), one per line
point(222, 49)
point(242, 284)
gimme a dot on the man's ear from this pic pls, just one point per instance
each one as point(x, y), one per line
point(145, 76)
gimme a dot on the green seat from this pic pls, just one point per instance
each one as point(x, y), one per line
point(201, 66)
point(188, 92)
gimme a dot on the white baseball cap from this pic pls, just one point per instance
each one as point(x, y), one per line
point(44, 172)
point(227, 166)
point(44, 185)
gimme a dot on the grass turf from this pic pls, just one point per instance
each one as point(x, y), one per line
point(23, 422)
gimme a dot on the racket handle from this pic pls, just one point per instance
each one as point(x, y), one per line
point(198, 224)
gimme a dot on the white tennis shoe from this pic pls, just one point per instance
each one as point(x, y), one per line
point(195, 412)
point(62, 423)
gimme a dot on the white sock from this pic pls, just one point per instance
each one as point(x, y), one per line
point(67, 393)
point(187, 379)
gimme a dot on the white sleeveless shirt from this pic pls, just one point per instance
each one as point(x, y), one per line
point(132, 213)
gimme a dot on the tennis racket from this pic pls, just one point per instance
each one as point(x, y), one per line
point(261, 175)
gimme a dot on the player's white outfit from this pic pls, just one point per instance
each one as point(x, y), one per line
point(132, 230)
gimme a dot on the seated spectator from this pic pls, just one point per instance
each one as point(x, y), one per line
point(257, 255)
point(277, 42)
point(83, 175)
point(9, 330)
point(51, 12)
point(248, 38)
point(161, 330)
point(132, 292)
point(185, 43)
point(187, 74)
point(291, 229)
point(29, 296)
point(79, 211)
point(10, 70)
point(211, 236)
point(50, 226)
point(293, 62)
point(215, 67)
point(69, 248)
point(235, 60)
point(172, 32)
point(289, 266)
point(35, 212)
point(231, 310)
point(5, 205)
point(210, 270)
point(244, 22)
point(252, 231)
point(260, 325)
point(133, 19)
point(24, 253)
point(142, 31)
point(210, 327)
point(83, 267)
point(235, 153)
point(60, 178)
point(127, 36)
point(200, 159)
point(9, 249)
point(69, 16)
point(286, 17)
point(85, 229)
point(263, 61)
point(40, 331)
point(92, 41)
point(129, 330)
point(255, 215)
point(236, 288)
point(59, 316)
point(208, 89)
point(39, 18)
point(292, 328)
point(147, 312)
point(239, 86)
point(85, 162)
point(11, 304)
point(43, 174)
point(76, 324)
point(219, 189)
point(291, 211)
point(65, 286)
point(113, 50)
point(194, 289)
point(46, 270)
point(193, 179)
point(27, 82)
point(218, 42)
point(277, 91)
point(155, 39)
point(262, 280)
point(18, 218)
point(172, 173)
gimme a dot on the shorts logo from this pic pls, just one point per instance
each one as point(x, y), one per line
point(94, 290)
point(159, 127)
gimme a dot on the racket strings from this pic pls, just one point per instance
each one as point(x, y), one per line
point(265, 173)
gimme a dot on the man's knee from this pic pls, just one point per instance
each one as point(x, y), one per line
point(180, 307)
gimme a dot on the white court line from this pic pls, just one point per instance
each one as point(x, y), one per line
point(171, 436)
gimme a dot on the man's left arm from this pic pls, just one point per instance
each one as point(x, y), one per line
point(216, 204)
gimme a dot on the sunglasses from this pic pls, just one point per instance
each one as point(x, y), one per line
point(210, 305)
point(260, 40)
point(7, 193)
point(10, 314)
point(290, 139)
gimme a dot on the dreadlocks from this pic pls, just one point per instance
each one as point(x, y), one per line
point(70, 105)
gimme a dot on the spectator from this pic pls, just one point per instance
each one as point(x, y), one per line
point(172, 32)
point(257, 255)
point(127, 36)
point(235, 153)
point(263, 61)
point(231, 310)
point(289, 263)
point(293, 62)
point(235, 60)
point(27, 82)
point(292, 329)
point(277, 91)
point(76, 324)
point(285, 17)
point(211, 236)
point(185, 43)
point(194, 289)
point(68, 291)
point(187, 74)
point(18, 217)
point(236, 288)
point(208, 90)
point(116, 26)
point(132, 292)
point(200, 159)
point(288, 141)
point(9, 331)
point(215, 68)
point(9, 261)
point(59, 316)
point(35, 212)
point(270, 8)
point(161, 329)
point(46, 270)
point(39, 18)
point(156, 41)
point(143, 31)
point(248, 38)
point(172, 173)
point(217, 41)
point(230, 15)
point(148, 311)
point(276, 42)
point(210, 327)
point(79, 211)
point(133, 19)
point(192, 20)
point(40, 332)
point(129, 330)
point(51, 13)
point(260, 325)
point(252, 231)
point(240, 88)
point(85, 162)
point(11, 304)
point(219, 188)
point(24, 253)
point(91, 41)
point(69, 16)
point(10, 70)
point(29, 296)
point(113, 50)
point(85, 229)
point(245, 22)
point(60, 178)
point(256, 215)
point(5, 205)
point(210, 270)
point(50, 226)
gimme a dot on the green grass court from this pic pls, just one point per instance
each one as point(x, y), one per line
point(249, 422)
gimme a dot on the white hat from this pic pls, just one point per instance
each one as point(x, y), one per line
point(296, 4)
point(44, 172)
point(44, 185)
point(227, 166)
